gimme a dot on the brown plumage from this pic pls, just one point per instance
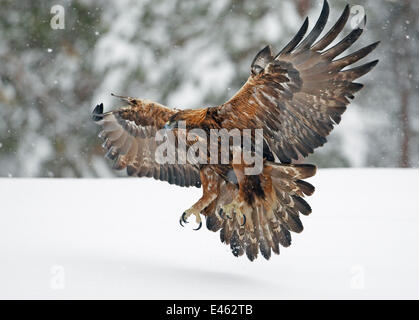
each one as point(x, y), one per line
point(296, 97)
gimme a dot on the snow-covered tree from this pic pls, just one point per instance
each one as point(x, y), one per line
point(188, 53)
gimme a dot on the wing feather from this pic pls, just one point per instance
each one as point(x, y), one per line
point(300, 95)
point(333, 32)
point(295, 41)
point(130, 142)
point(316, 31)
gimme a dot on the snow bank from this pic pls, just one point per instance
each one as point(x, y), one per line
point(120, 238)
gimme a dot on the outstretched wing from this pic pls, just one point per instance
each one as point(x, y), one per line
point(298, 95)
point(129, 135)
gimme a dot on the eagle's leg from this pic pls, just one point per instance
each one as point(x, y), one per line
point(240, 208)
point(209, 182)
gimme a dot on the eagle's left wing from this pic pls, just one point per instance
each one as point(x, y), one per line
point(298, 95)
point(130, 141)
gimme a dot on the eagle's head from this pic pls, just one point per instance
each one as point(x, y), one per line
point(137, 102)
point(173, 122)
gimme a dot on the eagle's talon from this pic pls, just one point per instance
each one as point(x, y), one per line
point(199, 227)
point(221, 214)
point(228, 209)
point(183, 218)
point(187, 214)
point(244, 221)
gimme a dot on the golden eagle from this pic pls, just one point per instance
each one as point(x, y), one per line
point(296, 97)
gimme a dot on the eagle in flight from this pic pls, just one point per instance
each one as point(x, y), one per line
point(296, 97)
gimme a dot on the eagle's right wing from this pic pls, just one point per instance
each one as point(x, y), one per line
point(129, 135)
point(298, 95)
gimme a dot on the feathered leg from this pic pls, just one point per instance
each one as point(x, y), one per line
point(240, 207)
point(210, 183)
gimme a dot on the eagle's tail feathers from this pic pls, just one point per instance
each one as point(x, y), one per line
point(267, 223)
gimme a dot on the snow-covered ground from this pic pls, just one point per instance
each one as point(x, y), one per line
point(120, 238)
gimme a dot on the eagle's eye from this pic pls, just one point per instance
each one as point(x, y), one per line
point(169, 125)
